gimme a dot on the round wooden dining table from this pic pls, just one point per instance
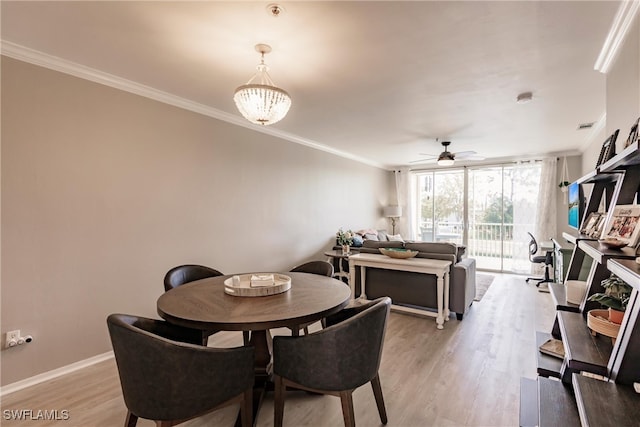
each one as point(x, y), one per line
point(204, 305)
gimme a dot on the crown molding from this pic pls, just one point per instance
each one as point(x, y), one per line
point(618, 32)
point(55, 63)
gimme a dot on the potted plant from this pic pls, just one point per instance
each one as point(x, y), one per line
point(615, 296)
point(345, 239)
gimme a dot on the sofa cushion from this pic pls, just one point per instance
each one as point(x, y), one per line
point(377, 244)
point(433, 247)
point(382, 235)
point(395, 238)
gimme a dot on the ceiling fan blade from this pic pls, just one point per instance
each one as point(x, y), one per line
point(465, 154)
point(471, 157)
point(424, 161)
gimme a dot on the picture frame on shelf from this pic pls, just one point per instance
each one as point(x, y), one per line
point(608, 149)
point(624, 224)
point(590, 223)
point(633, 134)
point(596, 231)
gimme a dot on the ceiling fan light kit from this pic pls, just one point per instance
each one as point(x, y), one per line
point(446, 158)
point(262, 102)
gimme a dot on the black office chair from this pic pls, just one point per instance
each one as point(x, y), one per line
point(170, 381)
point(546, 259)
point(335, 360)
point(187, 273)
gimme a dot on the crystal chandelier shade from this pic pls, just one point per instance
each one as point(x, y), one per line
point(262, 102)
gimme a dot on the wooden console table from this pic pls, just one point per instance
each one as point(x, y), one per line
point(439, 268)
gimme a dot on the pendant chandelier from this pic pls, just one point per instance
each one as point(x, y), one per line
point(260, 101)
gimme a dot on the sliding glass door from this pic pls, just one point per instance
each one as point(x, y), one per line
point(489, 209)
point(441, 207)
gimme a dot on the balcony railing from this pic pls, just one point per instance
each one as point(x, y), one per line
point(485, 239)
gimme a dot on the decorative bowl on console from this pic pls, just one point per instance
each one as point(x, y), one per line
point(613, 243)
point(398, 253)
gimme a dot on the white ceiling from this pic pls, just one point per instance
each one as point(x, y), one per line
point(376, 80)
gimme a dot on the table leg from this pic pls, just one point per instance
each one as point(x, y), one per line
point(262, 342)
point(440, 297)
point(447, 313)
point(352, 279)
point(363, 278)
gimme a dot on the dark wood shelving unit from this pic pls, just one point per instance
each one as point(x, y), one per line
point(611, 400)
point(556, 404)
point(583, 351)
point(558, 292)
point(548, 366)
point(627, 158)
point(602, 403)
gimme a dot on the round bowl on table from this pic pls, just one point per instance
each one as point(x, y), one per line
point(612, 243)
point(398, 253)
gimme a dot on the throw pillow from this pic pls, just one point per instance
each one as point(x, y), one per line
point(369, 236)
point(382, 235)
point(357, 241)
point(395, 238)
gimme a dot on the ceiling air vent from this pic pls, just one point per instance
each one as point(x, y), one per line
point(586, 125)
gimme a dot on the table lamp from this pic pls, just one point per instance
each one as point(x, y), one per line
point(393, 212)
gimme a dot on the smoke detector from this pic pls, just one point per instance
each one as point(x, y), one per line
point(275, 10)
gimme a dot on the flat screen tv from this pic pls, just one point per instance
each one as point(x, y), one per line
point(575, 205)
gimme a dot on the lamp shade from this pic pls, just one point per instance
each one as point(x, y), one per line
point(392, 211)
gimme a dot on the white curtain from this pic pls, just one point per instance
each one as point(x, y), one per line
point(539, 180)
point(405, 188)
point(525, 181)
point(547, 211)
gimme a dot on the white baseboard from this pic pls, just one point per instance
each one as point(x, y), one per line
point(45, 376)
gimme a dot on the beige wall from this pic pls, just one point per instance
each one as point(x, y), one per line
point(622, 97)
point(103, 191)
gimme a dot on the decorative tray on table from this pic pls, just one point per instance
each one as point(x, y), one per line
point(398, 253)
point(257, 284)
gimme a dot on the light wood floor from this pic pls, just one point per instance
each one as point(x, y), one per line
point(465, 375)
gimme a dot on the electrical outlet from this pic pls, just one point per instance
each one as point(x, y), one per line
point(12, 338)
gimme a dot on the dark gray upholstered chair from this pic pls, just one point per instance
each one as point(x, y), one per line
point(170, 381)
point(187, 273)
point(546, 259)
point(336, 360)
point(321, 268)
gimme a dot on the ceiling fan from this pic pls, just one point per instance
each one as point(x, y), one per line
point(447, 158)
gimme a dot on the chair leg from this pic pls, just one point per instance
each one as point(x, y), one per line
point(131, 420)
point(279, 392)
point(347, 408)
point(246, 408)
point(306, 330)
point(546, 278)
point(295, 331)
point(245, 337)
point(377, 392)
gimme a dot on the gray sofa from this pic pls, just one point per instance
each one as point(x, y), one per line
point(416, 289)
